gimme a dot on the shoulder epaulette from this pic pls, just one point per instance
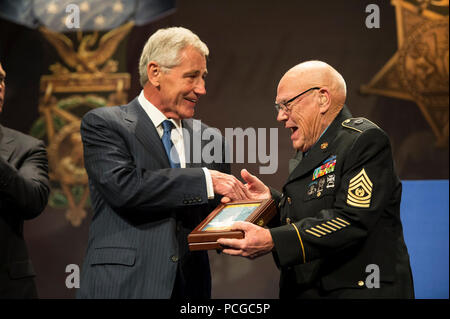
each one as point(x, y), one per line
point(359, 124)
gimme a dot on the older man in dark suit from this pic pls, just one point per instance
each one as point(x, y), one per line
point(146, 190)
point(24, 190)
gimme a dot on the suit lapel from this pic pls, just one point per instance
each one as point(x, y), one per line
point(322, 149)
point(6, 145)
point(145, 131)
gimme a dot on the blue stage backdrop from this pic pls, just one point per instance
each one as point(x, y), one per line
point(424, 213)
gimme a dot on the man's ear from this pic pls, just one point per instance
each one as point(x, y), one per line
point(154, 73)
point(324, 100)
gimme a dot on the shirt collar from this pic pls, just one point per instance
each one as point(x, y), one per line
point(155, 115)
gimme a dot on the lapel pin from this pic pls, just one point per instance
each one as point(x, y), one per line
point(324, 145)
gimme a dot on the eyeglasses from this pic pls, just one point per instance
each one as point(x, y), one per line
point(284, 106)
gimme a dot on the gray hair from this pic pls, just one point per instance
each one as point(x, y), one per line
point(164, 47)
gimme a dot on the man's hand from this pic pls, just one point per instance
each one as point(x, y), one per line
point(254, 189)
point(227, 185)
point(257, 241)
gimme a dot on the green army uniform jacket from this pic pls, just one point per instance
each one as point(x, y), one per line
point(340, 233)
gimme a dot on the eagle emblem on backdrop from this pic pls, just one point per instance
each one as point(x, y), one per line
point(419, 70)
point(84, 77)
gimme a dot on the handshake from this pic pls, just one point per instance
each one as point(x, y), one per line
point(233, 189)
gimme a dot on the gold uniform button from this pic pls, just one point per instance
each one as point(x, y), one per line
point(360, 283)
point(289, 200)
point(288, 220)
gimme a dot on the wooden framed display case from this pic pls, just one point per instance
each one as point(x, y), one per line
point(219, 221)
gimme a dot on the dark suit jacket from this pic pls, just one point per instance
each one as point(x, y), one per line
point(143, 209)
point(340, 212)
point(24, 191)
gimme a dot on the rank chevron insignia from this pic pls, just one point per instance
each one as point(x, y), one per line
point(360, 190)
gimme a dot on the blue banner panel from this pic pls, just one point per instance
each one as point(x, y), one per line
point(424, 213)
point(76, 15)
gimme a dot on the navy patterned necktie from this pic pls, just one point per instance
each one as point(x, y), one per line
point(168, 145)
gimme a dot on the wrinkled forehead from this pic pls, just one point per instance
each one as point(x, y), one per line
point(291, 84)
point(192, 59)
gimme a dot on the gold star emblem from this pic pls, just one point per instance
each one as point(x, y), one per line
point(419, 70)
point(359, 192)
point(99, 20)
point(84, 6)
point(52, 8)
point(118, 7)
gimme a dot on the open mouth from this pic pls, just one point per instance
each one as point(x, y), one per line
point(293, 130)
point(191, 100)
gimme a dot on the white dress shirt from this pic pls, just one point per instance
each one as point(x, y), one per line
point(157, 117)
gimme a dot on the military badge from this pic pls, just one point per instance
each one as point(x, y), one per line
point(320, 187)
point(360, 190)
point(321, 183)
point(326, 167)
point(330, 181)
point(317, 188)
point(312, 188)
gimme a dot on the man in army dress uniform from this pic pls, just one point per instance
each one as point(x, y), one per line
point(339, 233)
